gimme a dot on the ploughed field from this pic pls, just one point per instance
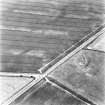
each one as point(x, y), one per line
point(48, 94)
point(36, 32)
